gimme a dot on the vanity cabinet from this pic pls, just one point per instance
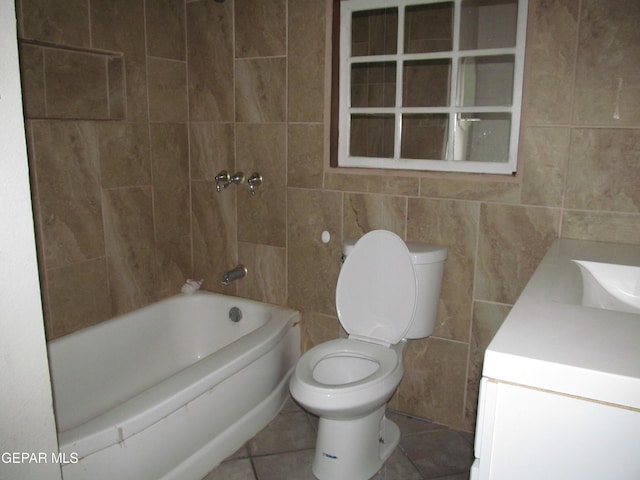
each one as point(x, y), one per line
point(525, 433)
point(560, 393)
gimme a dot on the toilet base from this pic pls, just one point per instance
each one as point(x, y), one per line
point(354, 449)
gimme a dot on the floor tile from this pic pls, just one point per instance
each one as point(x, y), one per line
point(285, 466)
point(398, 467)
point(286, 433)
point(233, 470)
point(284, 451)
point(440, 452)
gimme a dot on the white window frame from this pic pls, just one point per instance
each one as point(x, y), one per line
point(347, 8)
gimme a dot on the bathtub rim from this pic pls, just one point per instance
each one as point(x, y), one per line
point(162, 399)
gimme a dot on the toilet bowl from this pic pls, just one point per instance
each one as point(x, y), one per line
point(385, 294)
point(344, 378)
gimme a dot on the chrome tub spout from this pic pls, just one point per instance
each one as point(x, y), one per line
point(234, 274)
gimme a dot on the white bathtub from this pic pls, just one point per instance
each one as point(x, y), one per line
point(170, 390)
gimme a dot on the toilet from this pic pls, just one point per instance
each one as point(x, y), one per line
point(387, 293)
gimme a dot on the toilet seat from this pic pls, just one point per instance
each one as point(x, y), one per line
point(376, 300)
point(386, 358)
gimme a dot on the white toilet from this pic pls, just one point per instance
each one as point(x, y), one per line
point(387, 292)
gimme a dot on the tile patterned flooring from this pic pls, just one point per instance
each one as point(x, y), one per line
point(284, 451)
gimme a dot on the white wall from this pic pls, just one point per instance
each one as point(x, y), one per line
point(26, 411)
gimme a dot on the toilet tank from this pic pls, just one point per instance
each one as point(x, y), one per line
point(428, 263)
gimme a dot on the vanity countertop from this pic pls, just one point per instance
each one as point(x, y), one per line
point(551, 342)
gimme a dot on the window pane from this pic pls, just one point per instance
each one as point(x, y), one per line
point(426, 83)
point(372, 136)
point(374, 32)
point(428, 28)
point(486, 81)
point(482, 137)
point(424, 136)
point(488, 24)
point(373, 84)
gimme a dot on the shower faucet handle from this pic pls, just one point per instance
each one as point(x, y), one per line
point(223, 179)
point(237, 178)
point(254, 181)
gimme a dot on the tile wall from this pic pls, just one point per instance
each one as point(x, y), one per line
point(126, 207)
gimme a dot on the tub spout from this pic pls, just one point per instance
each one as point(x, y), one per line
point(234, 274)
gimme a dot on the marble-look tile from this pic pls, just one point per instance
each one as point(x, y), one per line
point(266, 276)
point(366, 212)
point(513, 240)
point(434, 380)
point(453, 224)
point(313, 266)
point(291, 406)
point(426, 450)
point(117, 87)
point(261, 29)
point(261, 217)
point(212, 149)
point(210, 61)
point(459, 476)
point(305, 155)
point(233, 470)
point(388, 183)
point(78, 296)
point(470, 188)
point(544, 156)
point(63, 22)
point(119, 26)
point(242, 452)
point(292, 465)
point(410, 425)
point(129, 234)
point(173, 258)
point(286, 433)
point(165, 21)
point(124, 154)
point(260, 89)
point(440, 453)
point(397, 466)
point(601, 226)
point(68, 185)
point(607, 88)
point(76, 84)
point(306, 60)
point(604, 170)
point(318, 328)
point(167, 90)
point(170, 160)
point(32, 76)
point(487, 318)
point(214, 234)
point(552, 32)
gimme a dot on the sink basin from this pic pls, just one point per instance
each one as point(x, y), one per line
point(610, 286)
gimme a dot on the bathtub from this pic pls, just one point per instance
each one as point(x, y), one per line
point(170, 390)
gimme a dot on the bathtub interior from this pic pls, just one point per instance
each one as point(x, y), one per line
point(154, 343)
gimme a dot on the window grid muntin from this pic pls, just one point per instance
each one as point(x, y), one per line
point(452, 110)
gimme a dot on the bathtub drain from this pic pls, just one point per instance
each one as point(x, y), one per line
point(235, 314)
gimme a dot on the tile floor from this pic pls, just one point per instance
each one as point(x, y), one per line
point(284, 451)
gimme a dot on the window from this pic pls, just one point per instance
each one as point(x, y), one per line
point(431, 84)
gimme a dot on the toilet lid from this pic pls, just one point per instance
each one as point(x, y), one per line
point(376, 291)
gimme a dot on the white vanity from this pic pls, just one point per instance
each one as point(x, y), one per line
point(560, 393)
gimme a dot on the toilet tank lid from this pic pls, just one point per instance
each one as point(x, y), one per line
point(421, 253)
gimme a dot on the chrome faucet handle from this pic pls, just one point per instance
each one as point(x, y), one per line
point(236, 178)
point(222, 180)
point(254, 181)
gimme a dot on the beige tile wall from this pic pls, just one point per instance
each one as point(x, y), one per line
point(127, 209)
